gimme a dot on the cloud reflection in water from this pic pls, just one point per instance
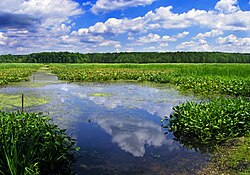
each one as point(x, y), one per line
point(133, 135)
point(156, 101)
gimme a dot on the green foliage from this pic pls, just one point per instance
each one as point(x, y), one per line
point(16, 72)
point(230, 79)
point(31, 144)
point(206, 124)
point(132, 57)
point(209, 84)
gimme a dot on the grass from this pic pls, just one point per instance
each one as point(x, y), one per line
point(30, 143)
point(231, 158)
point(220, 126)
point(101, 95)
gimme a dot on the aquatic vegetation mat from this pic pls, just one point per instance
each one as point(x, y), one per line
point(101, 95)
point(31, 144)
point(10, 101)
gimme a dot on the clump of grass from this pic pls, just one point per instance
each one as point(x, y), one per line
point(31, 144)
point(207, 124)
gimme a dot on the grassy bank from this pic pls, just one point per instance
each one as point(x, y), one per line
point(31, 144)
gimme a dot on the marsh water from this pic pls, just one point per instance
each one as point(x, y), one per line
point(117, 125)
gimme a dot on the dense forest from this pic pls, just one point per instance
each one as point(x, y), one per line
point(132, 57)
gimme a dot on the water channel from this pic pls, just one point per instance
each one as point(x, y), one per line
point(117, 125)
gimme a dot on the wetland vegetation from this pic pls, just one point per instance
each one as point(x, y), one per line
point(220, 121)
point(230, 79)
point(10, 73)
point(207, 124)
point(31, 144)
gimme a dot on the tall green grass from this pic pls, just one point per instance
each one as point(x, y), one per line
point(31, 144)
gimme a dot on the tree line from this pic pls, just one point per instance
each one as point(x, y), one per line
point(128, 57)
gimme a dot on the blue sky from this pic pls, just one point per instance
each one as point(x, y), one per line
point(28, 26)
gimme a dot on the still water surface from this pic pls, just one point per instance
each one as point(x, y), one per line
point(117, 125)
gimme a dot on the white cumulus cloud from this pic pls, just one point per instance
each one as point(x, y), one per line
point(181, 35)
point(86, 3)
point(233, 40)
point(49, 12)
point(212, 33)
point(227, 6)
point(200, 45)
point(232, 43)
point(116, 26)
point(111, 5)
point(164, 18)
point(162, 40)
point(31, 23)
point(3, 39)
point(82, 36)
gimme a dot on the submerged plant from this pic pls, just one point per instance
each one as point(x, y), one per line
point(12, 101)
point(31, 144)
